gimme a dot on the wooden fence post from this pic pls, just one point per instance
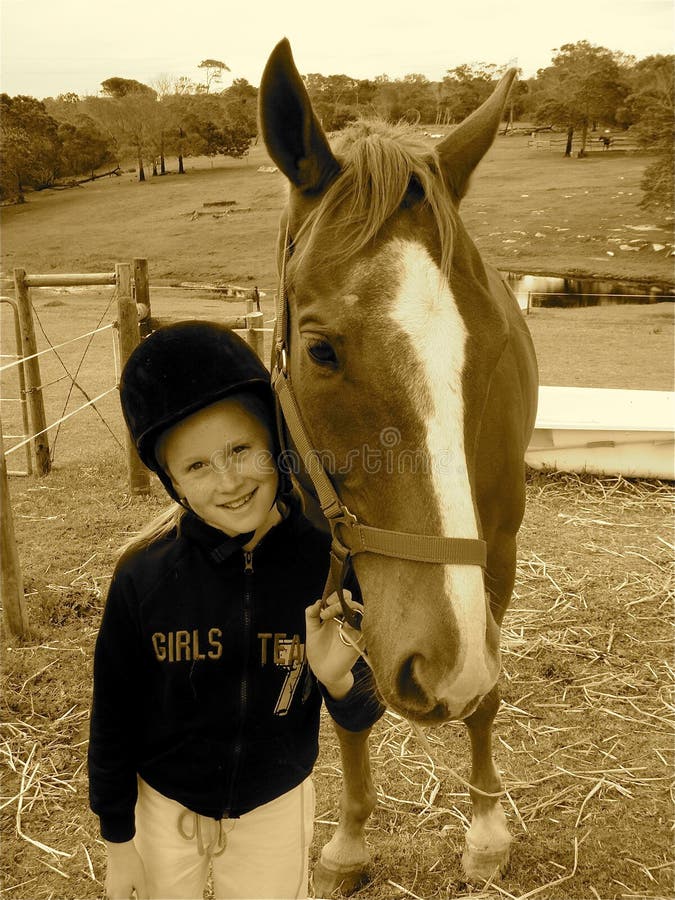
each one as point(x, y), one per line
point(25, 423)
point(11, 581)
point(255, 337)
point(129, 338)
point(142, 295)
point(32, 371)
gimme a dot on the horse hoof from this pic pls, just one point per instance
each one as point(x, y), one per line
point(481, 865)
point(329, 878)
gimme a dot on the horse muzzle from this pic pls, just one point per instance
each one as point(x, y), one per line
point(427, 693)
point(433, 660)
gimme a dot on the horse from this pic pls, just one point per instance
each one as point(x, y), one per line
point(413, 396)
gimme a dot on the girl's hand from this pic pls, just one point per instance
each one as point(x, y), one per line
point(329, 657)
point(125, 872)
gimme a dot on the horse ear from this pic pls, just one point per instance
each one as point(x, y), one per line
point(465, 146)
point(292, 134)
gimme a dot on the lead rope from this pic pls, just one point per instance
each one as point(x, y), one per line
point(415, 729)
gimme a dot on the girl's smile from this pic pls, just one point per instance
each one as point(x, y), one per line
point(220, 462)
point(241, 502)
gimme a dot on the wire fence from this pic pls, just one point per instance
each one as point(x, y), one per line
point(19, 362)
point(52, 347)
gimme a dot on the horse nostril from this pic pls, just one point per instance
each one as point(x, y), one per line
point(410, 690)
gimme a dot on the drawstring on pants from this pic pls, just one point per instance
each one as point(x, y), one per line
point(215, 847)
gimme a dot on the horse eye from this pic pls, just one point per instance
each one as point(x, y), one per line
point(414, 195)
point(322, 353)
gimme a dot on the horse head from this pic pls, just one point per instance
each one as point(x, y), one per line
point(395, 333)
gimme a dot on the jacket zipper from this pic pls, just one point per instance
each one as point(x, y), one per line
point(243, 688)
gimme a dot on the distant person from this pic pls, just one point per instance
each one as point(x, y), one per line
point(205, 716)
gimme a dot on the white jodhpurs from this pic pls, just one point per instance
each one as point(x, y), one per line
point(262, 855)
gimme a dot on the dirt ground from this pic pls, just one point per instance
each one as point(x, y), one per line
point(584, 737)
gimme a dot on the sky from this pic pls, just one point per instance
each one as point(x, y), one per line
point(50, 47)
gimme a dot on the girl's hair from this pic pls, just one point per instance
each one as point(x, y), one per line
point(162, 525)
point(170, 519)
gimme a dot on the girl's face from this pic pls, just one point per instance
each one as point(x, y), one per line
point(220, 461)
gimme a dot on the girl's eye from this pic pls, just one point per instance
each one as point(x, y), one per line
point(240, 448)
point(322, 352)
point(195, 466)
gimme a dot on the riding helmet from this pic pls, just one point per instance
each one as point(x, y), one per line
point(180, 369)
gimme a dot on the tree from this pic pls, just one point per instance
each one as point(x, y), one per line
point(465, 87)
point(83, 147)
point(69, 99)
point(14, 151)
point(241, 105)
point(411, 98)
point(210, 124)
point(214, 69)
point(121, 87)
point(176, 107)
point(365, 94)
point(385, 98)
point(210, 131)
point(416, 95)
point(133, 117)
point(333, 98)
point(651, 107)
point(168, 135)
point(583, 86)
point(163, 85)
point(30, 144)
point(518, 100)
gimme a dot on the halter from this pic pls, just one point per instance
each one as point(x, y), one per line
point(349, 536)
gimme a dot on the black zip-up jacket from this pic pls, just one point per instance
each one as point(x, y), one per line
point(200, 680)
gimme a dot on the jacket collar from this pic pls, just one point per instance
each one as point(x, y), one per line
point(219, 546)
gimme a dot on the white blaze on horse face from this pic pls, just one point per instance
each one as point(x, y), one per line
point(425, 309)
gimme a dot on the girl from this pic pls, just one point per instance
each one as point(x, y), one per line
point(205, 716)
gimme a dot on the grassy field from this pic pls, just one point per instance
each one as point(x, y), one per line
point(528, 210)
point(585, 733)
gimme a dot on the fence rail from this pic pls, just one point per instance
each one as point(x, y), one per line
point(100, 278)
point(594, 143)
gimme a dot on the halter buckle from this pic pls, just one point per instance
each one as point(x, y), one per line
point(346, 518)
point(349, 520)
point(282, 359)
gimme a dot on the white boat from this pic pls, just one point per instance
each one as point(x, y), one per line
point(605, 431)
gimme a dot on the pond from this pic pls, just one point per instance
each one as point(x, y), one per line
point(548, 291)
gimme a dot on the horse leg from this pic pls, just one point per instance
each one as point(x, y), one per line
point(488, 839)
point(345, 857)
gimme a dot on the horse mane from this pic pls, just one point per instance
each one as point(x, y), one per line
point(379, 161)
